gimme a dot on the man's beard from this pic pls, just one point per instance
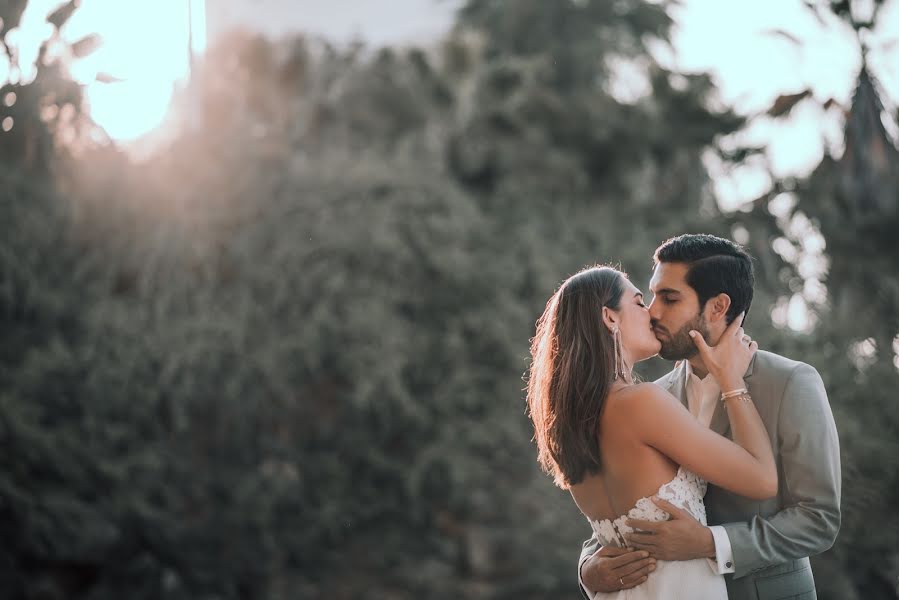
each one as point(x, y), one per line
point(680, 346)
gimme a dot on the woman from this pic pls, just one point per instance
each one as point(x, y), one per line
point(614, 443)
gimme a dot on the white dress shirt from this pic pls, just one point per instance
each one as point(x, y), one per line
point(702, 398)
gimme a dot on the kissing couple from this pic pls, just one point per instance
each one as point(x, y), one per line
point(718, 480)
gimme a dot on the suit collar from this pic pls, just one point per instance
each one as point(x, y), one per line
point(751, 368)
point(676, 382)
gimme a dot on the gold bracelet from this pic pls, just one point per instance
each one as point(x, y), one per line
point(734, 393)
point(743, 397)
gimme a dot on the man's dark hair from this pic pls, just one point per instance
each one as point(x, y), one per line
point(714, 266)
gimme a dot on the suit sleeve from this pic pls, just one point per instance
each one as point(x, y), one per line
point(809, 483)
point(590, 547)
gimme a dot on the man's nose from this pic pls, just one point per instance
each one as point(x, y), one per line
point(654, 312)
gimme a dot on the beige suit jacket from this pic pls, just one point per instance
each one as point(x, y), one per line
point(772, 539)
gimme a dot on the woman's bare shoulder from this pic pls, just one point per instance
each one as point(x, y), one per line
point(641, 397)
point(646, 390)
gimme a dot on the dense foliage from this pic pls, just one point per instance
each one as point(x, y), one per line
point(283, 357)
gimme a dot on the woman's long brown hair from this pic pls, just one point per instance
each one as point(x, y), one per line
point(572, 370)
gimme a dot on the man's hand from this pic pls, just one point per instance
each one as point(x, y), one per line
point(612, 569)
point(680, 538)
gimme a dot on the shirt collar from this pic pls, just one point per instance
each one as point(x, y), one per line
point(693, 378)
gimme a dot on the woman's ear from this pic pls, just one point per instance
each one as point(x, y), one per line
point(716, 308)
point(609, 318)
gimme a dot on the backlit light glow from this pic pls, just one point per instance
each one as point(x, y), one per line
point(146, 46)
point(145, 49)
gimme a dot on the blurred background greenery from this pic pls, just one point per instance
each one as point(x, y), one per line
point(282, 356)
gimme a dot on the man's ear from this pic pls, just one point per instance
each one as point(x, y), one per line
point(609, 318)
point(716, 308)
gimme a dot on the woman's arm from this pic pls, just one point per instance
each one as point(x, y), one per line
point(746, 465)
point(663, 423)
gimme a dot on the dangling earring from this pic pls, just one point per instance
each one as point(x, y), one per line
point(616, 336)
point(625, 372)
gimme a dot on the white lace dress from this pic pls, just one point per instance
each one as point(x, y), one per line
point(679, 580)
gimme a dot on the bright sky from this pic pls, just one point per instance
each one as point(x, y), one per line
point(734, 41)
point(378, 22)
point(133, 50)
point(730, 39)
point(753, 66)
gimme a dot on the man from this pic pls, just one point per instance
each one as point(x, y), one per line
point(762, 547)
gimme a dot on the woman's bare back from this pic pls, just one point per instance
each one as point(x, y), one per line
point(631, 469)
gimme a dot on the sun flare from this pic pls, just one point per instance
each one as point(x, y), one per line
point(144, 55)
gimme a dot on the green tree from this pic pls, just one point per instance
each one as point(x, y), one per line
point(283, 357)
point(851, 199)
point(38, 111)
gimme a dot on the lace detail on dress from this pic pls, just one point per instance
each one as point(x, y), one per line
point(685, 491)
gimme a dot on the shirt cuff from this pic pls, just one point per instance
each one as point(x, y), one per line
point(724, 554)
